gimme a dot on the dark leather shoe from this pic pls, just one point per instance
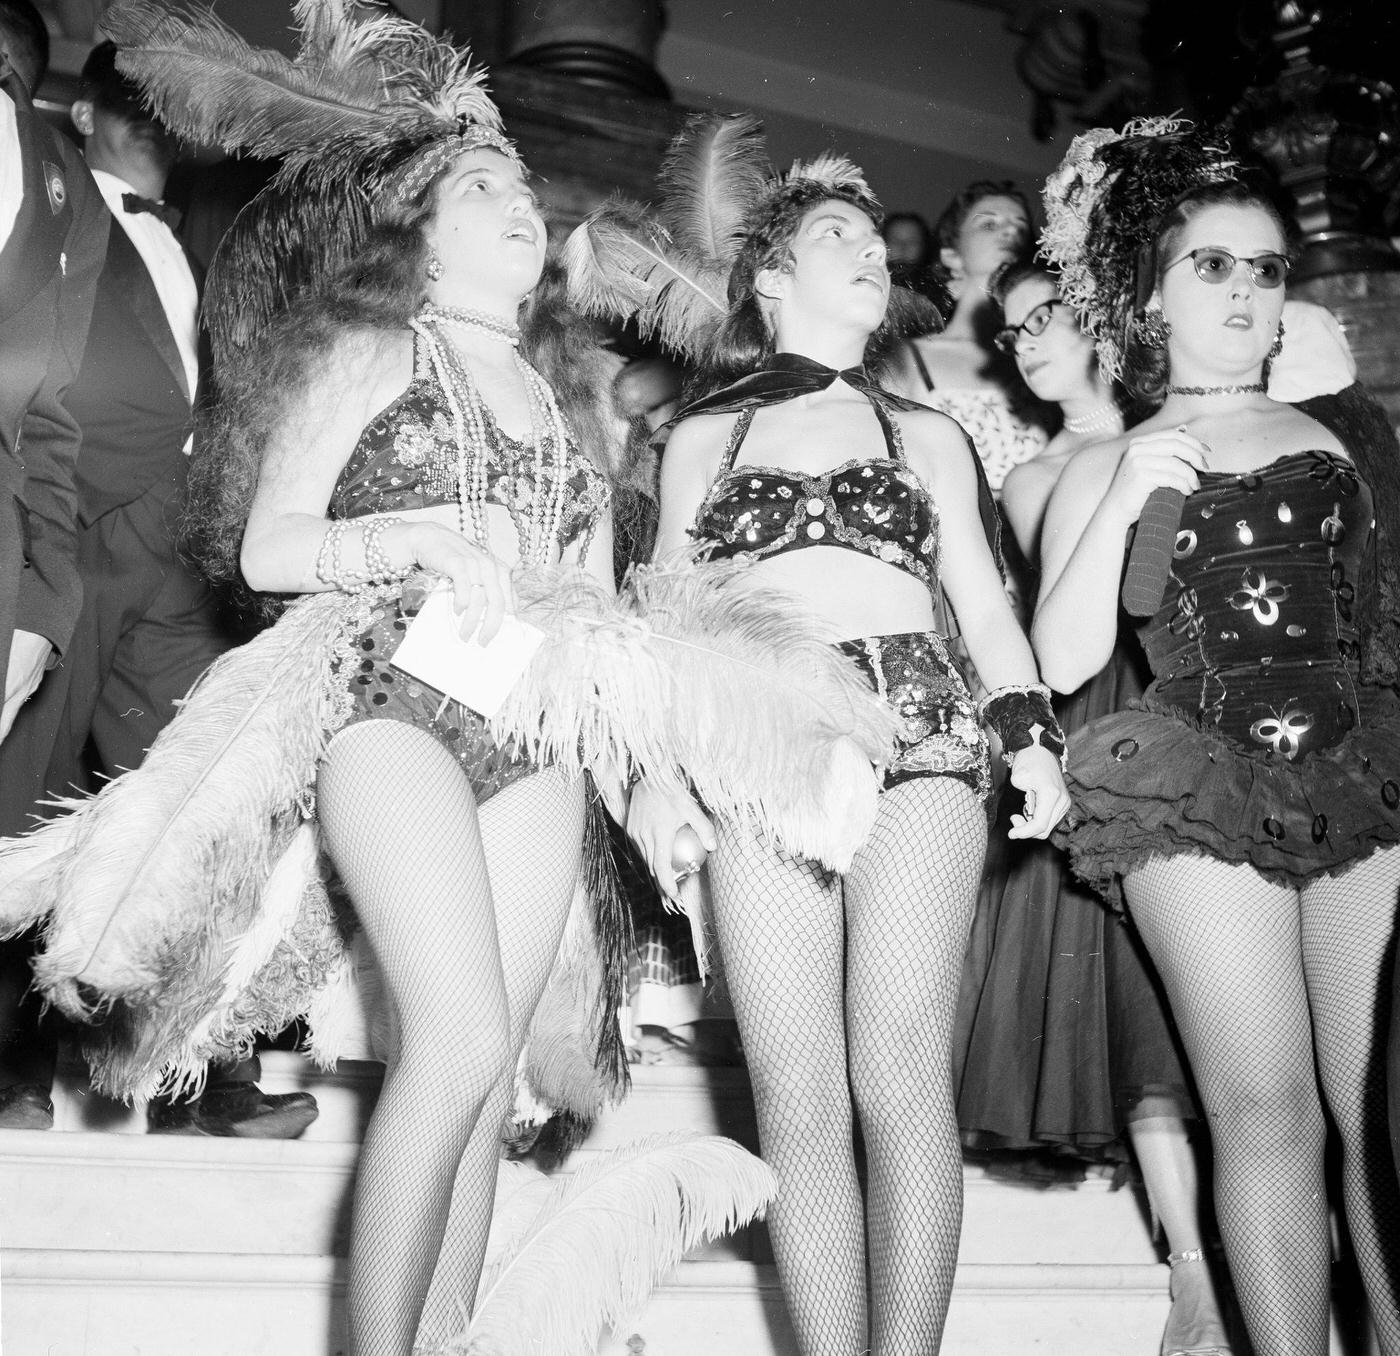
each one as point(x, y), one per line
point(25, 1106)
point(239, 1110)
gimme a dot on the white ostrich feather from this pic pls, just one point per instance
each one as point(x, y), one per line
point(600, 1240)
point(696, 673)
point(620, 262)
point(177, 851)
point(297, 869)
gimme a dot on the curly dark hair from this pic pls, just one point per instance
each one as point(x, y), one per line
point(1146, 370)
point(744, 339)
point(1013, 273)
point(258, 385)
point(950, 221)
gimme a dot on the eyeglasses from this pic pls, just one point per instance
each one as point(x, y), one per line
point(1034, 325)
point(1214, 265)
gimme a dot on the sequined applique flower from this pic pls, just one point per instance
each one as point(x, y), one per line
point(417, 443)
point(1259, 594)
point(1283, 731)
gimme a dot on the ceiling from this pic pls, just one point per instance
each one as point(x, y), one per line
point(924, 94)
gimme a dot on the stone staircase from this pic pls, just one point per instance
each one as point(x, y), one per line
point(115, 1243)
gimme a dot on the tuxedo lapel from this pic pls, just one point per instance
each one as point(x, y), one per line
point(128, 275)
point(34, 251)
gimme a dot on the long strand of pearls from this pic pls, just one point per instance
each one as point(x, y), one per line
point(470, 433)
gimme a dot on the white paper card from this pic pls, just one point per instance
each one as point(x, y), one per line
point(478, 676)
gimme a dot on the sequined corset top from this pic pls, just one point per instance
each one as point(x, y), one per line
point(406, 458)
point(876, 507)
point(1255, 638)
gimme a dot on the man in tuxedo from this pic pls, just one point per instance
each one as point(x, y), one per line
point(53, 236)
point(149, 626)
point(53, 232)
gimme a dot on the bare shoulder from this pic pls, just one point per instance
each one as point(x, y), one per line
point(1093, 467)
point(936, 445)
point(697, 443)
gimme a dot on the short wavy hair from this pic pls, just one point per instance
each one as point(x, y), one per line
point(744, 338)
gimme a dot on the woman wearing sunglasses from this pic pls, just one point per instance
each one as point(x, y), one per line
point(1248, 807)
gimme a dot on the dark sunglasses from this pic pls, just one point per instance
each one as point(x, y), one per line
point(1214, 265)
point(1034, 325)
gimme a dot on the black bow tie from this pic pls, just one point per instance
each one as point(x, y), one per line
point(134, 202)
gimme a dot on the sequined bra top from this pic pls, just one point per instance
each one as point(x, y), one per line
point(1255, 639)
point(876, 507)
point(406, 458)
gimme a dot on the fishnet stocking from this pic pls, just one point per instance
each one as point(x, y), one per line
point(463, 972)
point(846, 990)
point(1256, 973)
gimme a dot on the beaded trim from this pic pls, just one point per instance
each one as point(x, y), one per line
point(1253, 388)
point(424, 163)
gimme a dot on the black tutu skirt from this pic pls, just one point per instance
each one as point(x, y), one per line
point(1146, 781)
point(1062, 1032)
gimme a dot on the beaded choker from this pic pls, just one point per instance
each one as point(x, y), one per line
point(537, 530)
point(1252, 388)
point(482, 322)
point(1099, 420)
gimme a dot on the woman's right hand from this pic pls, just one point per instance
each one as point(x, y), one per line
point(482, 592)
point(1169, 458)
point(655, 818)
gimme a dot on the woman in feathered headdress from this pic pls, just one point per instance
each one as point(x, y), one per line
point(388, 422)
point(382, 436)
point(1248, 809)
point(861, 505)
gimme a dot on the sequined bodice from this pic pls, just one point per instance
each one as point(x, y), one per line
point(877, 507)
point(406, 458)
point(1255, 638)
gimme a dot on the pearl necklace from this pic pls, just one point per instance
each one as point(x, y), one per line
point(482, 322)
point(1099, 420)
point(1252, 388)
point(472, 439)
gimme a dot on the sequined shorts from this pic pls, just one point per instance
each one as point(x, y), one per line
point(943, 738)
point(379, 691)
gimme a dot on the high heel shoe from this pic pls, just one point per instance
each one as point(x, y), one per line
point(1176, 1259)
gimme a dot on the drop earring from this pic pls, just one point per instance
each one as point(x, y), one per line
point(1278, 343)
point(434, 267)
point(1151, 329)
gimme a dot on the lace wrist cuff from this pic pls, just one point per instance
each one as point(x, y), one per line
point(1022, 716)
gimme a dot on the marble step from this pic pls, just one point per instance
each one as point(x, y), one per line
point(96, 1303)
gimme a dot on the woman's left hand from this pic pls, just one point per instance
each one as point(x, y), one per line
point(1036, 771)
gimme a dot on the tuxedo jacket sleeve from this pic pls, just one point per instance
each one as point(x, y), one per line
point(48, 280)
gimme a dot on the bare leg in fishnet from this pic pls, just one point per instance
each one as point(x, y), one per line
point(1348, 951)
point(528, 882)
point(834, 998)
point(1251, 969)
point(400, 823)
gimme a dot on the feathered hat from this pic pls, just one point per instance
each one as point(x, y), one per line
point(1103, 206)
point(364, 116)
point(671, 268)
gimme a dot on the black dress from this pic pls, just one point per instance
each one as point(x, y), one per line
point(1062, 1031)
